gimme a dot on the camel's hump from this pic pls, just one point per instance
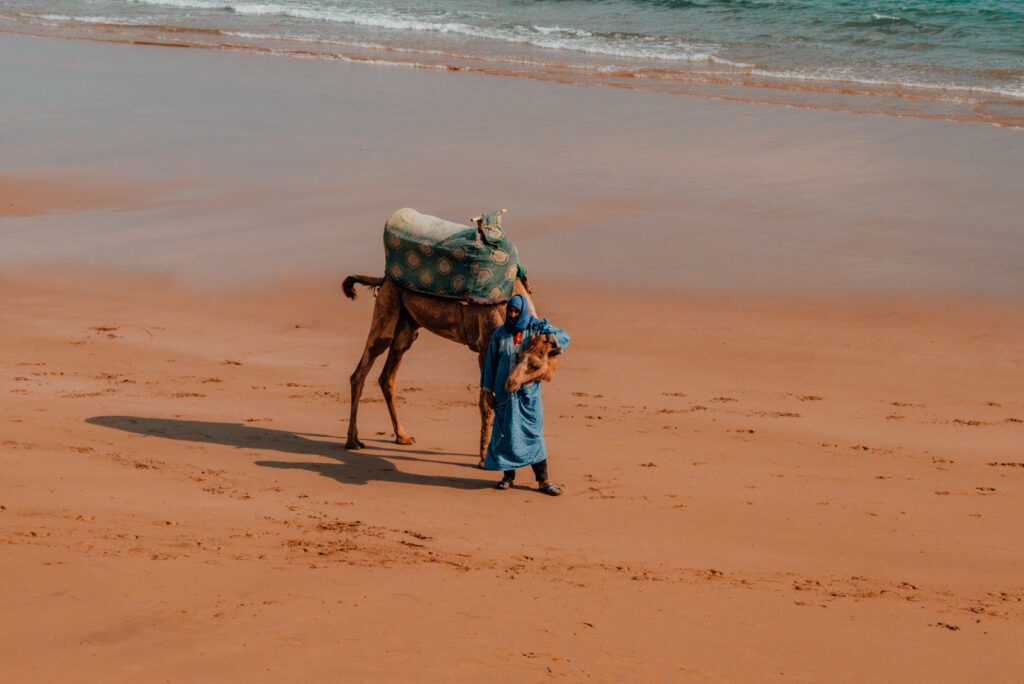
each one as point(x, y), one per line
point(411, 224)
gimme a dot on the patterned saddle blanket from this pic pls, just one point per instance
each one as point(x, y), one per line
point(438, 257)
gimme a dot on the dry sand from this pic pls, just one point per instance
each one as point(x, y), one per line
point(819, 482)
point(754, 490)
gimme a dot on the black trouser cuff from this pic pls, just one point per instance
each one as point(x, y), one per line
point(540, 471)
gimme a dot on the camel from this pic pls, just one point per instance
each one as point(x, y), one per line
point(537, 361)
point(398, 314)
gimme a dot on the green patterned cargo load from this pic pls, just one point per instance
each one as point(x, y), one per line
point(446, 259)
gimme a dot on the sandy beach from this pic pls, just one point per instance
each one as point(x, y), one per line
point(789, 425)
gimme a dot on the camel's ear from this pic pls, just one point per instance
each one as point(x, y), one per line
point(554, 351)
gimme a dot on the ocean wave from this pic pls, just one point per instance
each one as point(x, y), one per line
point(890, 23)
point(84, 19)
point(553, 37)
point(842, 76)
point(312, 39)
point(548, 30)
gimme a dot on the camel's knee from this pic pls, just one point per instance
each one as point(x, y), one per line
point(386, 384)
point(373, 350)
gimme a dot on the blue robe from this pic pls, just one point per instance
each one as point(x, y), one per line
point(517, 438)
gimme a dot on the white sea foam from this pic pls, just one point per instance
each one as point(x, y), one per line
point(844, 76)
point(547, 30)
point(553, 37)
point(406, 50)
point(64, 18)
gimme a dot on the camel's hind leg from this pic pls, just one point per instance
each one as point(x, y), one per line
point(386, 312)
point(405, 334)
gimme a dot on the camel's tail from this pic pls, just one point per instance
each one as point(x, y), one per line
point(349, 286)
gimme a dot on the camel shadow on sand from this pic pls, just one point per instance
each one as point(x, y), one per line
point(352, 467)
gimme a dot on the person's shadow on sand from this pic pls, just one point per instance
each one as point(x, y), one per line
point(353, 467)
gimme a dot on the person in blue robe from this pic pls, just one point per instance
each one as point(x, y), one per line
point(517, 438)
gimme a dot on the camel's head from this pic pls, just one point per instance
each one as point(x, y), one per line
point(537, 361)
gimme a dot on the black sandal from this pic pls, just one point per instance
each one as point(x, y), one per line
point(550, 488)
point(504, 484)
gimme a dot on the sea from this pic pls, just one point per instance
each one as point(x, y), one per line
point(961, 60)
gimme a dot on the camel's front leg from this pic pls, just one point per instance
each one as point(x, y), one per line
point(405, 335)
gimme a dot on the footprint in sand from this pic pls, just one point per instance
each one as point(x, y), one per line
point(946, 625)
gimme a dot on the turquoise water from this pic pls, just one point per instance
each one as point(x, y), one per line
point(971, 50)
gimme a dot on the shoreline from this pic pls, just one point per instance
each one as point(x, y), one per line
point(958, 104)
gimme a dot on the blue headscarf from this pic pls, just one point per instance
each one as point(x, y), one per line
point(518, 302)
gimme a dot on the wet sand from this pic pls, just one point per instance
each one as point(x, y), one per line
point(780, 462)
point(284, 167)
point(26, 195)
